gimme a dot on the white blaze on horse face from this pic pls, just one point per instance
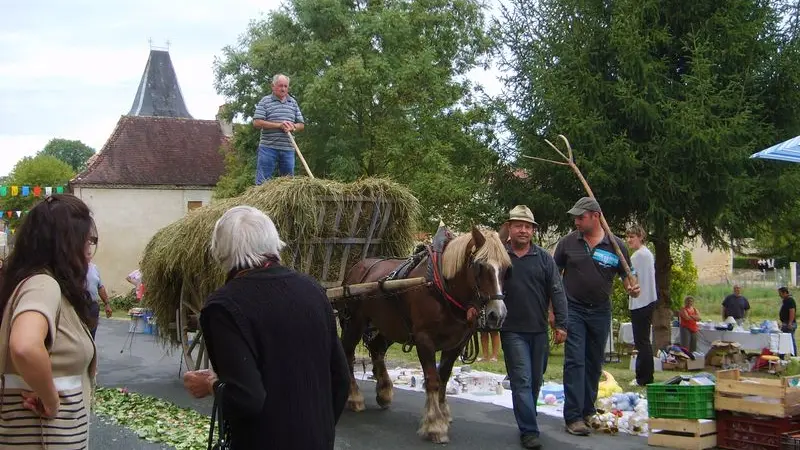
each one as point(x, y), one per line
point(496, 309)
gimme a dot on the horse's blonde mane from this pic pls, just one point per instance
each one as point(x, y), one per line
point(454, 256)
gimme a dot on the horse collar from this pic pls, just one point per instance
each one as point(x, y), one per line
point(435, 275)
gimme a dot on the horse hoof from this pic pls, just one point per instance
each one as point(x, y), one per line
point(384, 399)
point(437, 438)
point(356, 405)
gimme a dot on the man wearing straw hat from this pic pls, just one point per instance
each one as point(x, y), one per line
point(535, 283)
point(589, 263)
point(276, 115)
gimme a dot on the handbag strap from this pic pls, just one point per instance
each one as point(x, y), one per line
point(218, 420)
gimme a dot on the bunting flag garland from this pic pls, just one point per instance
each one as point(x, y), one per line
point(27, 191)
point(11, 214)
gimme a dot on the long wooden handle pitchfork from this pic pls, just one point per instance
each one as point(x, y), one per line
point(569, 162)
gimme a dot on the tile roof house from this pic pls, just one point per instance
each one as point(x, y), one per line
point(158, 163)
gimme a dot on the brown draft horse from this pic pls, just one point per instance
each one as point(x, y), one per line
point(473, 267)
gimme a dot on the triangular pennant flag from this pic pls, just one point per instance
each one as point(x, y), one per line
point(26, 191)
point(14, 191)
point(60, 190)
point(9, 213)
point(3, 191)
point(37, 191)
point(19, 213)
point(48, 191)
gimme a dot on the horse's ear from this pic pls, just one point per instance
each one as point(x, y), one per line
point(503, 233)
point(478, 237)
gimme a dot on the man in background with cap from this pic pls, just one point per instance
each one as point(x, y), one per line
point(589, 264)
point(535, 281)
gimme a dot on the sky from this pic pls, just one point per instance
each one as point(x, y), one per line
point(71, 69)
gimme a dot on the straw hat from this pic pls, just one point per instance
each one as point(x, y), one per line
point(522, 213)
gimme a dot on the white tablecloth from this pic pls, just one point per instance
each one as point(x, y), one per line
point(776, 342)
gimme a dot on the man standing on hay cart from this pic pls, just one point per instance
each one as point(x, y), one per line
point(277, 115)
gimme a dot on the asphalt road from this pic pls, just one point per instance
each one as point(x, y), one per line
point(148, 368)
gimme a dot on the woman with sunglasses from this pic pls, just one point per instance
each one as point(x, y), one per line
point(47, 355)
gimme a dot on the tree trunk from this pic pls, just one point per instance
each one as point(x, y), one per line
point(662, 317)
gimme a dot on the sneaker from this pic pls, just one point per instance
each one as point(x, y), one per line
point(633, 383)
point(591, 422)
point(578, 428)
point(531, 441)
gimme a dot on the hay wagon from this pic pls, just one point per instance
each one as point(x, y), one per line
point(328, 229)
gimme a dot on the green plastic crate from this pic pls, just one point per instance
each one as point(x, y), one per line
point(665, 401)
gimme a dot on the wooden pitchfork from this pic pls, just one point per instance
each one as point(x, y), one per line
point(302, 160)
point(569, 162)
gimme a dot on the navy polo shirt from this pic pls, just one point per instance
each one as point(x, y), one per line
point(535, 279)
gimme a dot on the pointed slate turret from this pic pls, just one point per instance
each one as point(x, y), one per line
point(159, 94)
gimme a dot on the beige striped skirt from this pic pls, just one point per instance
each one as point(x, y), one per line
point(23, 429)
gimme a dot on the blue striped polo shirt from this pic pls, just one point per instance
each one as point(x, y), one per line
point(271, 109)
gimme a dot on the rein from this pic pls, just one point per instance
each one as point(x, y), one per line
point(438, 280)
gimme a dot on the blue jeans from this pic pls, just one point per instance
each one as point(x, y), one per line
point(587, 334)
point(265, 163)
point(526, 358)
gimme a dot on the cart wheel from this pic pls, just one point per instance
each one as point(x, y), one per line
point(191, 337)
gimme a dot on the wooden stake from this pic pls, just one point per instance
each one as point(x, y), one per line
point(603, 223)
point(302, 160)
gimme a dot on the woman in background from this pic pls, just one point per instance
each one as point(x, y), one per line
point(271, 338)
point(688, 325)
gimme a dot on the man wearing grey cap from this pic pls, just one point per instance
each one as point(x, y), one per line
point(589, 263)
point(535, 283)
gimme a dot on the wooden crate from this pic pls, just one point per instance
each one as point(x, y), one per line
point(779, 398)
point(688, 434)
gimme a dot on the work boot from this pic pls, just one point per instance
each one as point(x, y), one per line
point(531, 441)
point(578, 428)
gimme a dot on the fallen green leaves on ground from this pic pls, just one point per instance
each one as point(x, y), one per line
point(153, 419)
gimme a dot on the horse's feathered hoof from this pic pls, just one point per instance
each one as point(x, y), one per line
point(355, 402)
point(439, 438)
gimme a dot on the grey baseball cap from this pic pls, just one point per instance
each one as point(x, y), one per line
point(583, 205)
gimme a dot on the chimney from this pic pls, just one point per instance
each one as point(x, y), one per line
point(227, 127)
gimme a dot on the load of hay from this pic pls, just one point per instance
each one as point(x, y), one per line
point(326, 226)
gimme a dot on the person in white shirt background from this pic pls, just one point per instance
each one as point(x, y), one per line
point(641, 307)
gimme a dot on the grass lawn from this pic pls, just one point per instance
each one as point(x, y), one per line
point(764, 302)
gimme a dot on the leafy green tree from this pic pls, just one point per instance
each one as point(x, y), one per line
point(41, 170)
point(74, 153)
point(382, 87)
point(663, 103)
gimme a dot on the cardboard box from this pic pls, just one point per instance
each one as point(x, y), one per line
point(686, 365)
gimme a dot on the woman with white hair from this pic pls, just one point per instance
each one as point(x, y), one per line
point(271, 338)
